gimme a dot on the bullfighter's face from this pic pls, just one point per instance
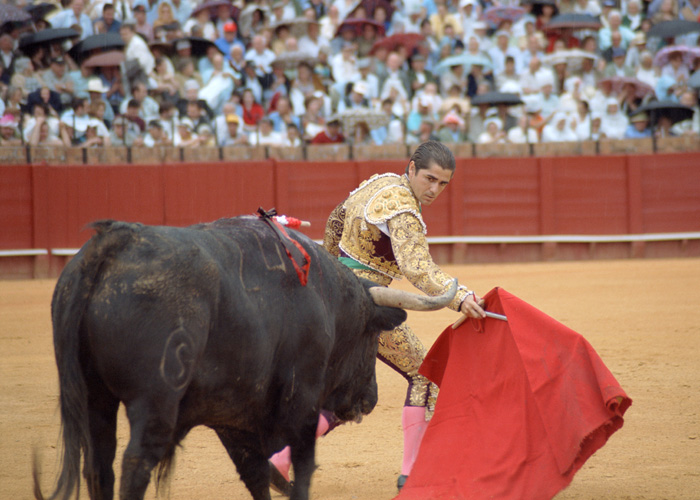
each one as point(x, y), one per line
point(428, 183)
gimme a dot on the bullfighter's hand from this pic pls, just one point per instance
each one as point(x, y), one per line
point(472, 307)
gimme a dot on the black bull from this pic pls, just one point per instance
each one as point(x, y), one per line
point(209, 325)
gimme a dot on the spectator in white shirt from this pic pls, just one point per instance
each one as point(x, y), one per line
point(74, 15)
point(260, 56)
point(136, 48)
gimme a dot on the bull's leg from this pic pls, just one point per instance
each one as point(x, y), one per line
point(250, 462)
point(303, 460)
point(102, 412)
point(152, 424)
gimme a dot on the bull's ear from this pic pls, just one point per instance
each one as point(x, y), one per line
point(387, 318)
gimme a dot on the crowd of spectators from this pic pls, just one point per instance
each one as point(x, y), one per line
point(292, 72)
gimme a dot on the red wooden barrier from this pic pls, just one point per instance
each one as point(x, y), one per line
point(47, 206)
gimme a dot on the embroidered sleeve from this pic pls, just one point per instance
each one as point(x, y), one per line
point(413, 258)
point(334, 230)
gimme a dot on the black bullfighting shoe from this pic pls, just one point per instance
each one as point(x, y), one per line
point(401, 481)
point(278, 482)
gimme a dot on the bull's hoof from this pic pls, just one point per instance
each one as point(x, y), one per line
point(278, 482)
point(401, 481)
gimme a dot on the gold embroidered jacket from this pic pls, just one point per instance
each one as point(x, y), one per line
point(380, 226)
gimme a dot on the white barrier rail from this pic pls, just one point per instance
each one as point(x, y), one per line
point(450, 240)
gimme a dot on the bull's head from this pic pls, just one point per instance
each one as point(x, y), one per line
point(351, 403)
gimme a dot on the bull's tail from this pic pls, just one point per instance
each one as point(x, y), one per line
point(70, 301)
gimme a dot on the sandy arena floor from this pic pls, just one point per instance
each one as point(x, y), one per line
point(643, 318)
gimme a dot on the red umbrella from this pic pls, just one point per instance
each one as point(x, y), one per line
point(390, 43)
point(689, 54)
point(358, 24)
point(109, 58)
point(641, 89)
point(495, 15)
point(213, 7)
point(523, 404)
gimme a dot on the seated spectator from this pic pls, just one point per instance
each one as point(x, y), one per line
point(614, 123)
point(206, 135)
point(549, 100)
point(266, 135)
point(74, 123)
point(638, 127)
point(688, 127)
point(41, 134)
point(148, 107)
point(24, 76)
point(361, 135)
point(559, 129)
point(523, 132)
point(9, 135)
point(14, 102)
point(166, 85)
point(218, 88)
point(155, 135)
point(664, 126)
point(73, 15)
point(120, 135)
point(422, 111)
point(96, 134)
point(108, 22)
point(185, 70)
point(426, 132)
point(261, 57)
point(617, 66)
point(135, 123)
point(493, 132)
point(41, 110)
point(234, 135)
point(229, 39)
point(252, 111)
point(57, 79)
point(292, 138)
point(331, 134)
point(141, 24)
point(452, 129)
point(646, 72)
point(185, 137)
point(282, 116)
point(676, 68)
point(96, 91)
point(204, 25)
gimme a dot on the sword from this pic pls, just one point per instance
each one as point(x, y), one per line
point(489, 314)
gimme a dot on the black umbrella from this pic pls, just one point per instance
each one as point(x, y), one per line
point(538, 4)
point(40, 10)
point(573, 21)
point(495, 98)
point(199, 45)
point(675, 111)
point(95, 43)
point(11, 14)
point(672, 29)
point(51, 35)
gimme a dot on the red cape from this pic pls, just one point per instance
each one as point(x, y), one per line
point(522, 405)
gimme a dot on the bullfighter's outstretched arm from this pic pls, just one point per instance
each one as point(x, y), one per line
point(413, 258)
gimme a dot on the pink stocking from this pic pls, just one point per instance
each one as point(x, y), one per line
point(414, 426)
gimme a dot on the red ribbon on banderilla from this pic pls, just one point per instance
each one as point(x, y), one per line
point(296, 253)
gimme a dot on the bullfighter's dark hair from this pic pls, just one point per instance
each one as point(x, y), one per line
point(432, 151)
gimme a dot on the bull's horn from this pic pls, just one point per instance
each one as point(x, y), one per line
point(391, 297)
